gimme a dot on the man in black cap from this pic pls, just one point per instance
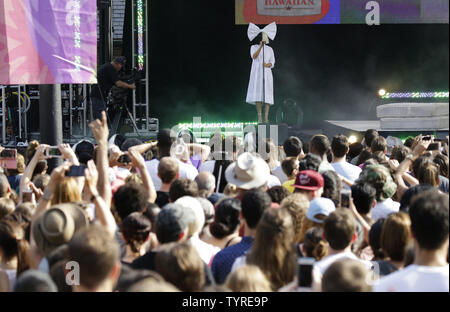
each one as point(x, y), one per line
point(107, 77)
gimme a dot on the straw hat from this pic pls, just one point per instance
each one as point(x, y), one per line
point(57, 226)
point(248, 171)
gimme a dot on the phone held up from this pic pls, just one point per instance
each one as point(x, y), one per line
point(8, 158)
point(27, 196)
point(53, 152)
point(304, 273)
point(76, 171)
point(345, 198)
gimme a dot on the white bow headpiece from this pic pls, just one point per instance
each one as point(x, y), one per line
point(270, 30)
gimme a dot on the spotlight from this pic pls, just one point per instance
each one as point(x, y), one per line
point(382, 92)
point(352, 139)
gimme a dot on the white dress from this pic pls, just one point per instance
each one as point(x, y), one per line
point(255, 89)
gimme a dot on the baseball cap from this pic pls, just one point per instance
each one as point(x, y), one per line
point(309, 180)
point(120, 60)
point(172, 220)
point(318, 206)
point(380, 177)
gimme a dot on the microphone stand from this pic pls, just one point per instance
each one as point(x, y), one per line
point(264, 80)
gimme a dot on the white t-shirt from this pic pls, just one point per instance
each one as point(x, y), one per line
point(279, 173)
point(321, 266)
point(240, 261)
point(205, 251)
point(208, 166)
point(348, 171)
point(325, 166)
point(184, 170)
point(415, 278)
point(273, 181)
point(384, 209)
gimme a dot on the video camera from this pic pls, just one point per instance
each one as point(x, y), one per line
point(118, 95)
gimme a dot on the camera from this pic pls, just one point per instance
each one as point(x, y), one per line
point(53, 152)
point(124, 159)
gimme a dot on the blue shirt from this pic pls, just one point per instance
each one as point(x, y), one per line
point(224, 259)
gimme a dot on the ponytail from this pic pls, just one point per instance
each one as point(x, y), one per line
point(429, 175)
point(320, 250)
point(23, 256)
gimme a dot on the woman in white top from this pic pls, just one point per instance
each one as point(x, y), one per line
point(263, 57)
point(14, 254)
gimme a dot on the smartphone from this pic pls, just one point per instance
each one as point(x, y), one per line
point(426, 138)
point(304, 272)
point(76, 171)
point(27, 196)
point(435, 146)
point(8, 158)
point(9, 153)
point(53, 152)
point(124, 159)
point(345, 198)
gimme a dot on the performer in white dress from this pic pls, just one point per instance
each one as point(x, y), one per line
point(257, 94)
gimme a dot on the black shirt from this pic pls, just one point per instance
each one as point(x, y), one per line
point(107, 77)
point(145, 262)
point(162, 198)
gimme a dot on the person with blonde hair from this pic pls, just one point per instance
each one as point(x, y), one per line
point(272, 154)
point(230, 190)
point(273, 249)
point(67, 191)
point(296, 204)
point(248, 278)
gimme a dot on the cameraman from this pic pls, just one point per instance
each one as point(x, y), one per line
point(107, 77)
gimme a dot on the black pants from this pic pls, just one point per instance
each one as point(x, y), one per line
point(98, 106)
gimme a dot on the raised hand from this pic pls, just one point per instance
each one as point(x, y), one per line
point(37, 191)
point(100, 129)
point(421, 147)
point(40, 152)
point(136, 158)
point(91, 175)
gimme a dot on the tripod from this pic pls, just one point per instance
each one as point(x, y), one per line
point(118, 118)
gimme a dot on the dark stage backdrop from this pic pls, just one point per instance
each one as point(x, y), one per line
point(200, 64)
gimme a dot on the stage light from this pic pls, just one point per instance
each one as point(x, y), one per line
point(140, 34)
point(382, 92)
point(352, 139)
point(415, 95)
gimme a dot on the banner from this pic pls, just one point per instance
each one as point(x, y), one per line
point(48, 41)
point(340, 11)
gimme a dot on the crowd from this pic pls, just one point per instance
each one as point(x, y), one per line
point(178, 216)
